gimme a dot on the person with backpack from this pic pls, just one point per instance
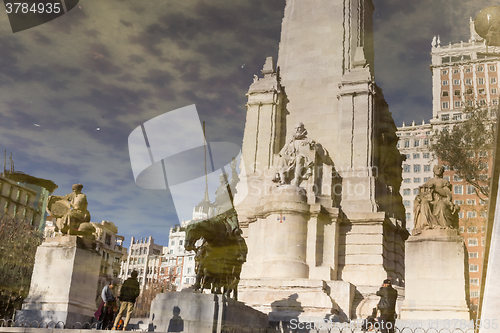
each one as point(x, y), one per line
point(128, 294)
point(387, 306)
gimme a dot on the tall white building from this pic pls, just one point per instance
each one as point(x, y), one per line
point(414, 143)
point(140, 253)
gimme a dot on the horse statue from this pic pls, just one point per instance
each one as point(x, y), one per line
point(220, 256)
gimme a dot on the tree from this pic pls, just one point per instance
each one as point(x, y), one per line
point(467, 146)
point(18, 244)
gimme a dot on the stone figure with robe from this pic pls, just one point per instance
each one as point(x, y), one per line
point(294, 163)
point(70, 210)
point(433, 207)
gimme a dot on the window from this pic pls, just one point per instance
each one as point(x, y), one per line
point(468, 81)
point(457, 116)
point(494, 101)
point(406, 203)
point(180, 260)
point(472, 241)
point(426, 155)
point(483, 166)
point(172, 243)
point(407, 180)
point(398, 145)
point(482, 241)
point(492, 68)
point(474, 282)
point(471, 202)
point(416, 156)
point(461, 216)
point(426, 179)
point(482, 102)
point(406, 191)
point(494, 91)
point(447, 178)
point(445, 82)
point(458, 189)
point(459, 202)
point(474, 293)
point(416, 167)
point(408, 216)
point(444, 72)
point(457, 105)
point(180, 242)
point(416, 143)
point(445, 93)
point(481, 91)
point(473, 268)
point(427, 168)
point(480, 80)
point(471, 230)
point(408, 156)
point(189, 270)
point(484, 214)
point(493, 80)
point(445, 117)
point(482, 202)
point(416, 180)
point(179, 270)
point(467, 70)
point(456, 71)
point(407, 143)
point(473, 255)
point(471, 215)
point(483, 229)
point(457, 178)
point(406, 168)
point(426, 142)
point(456, 82)
point(415, 191)
point(461, 229)
point(480, 68)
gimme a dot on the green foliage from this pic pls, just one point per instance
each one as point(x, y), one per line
point(18, 243)
point(467, 146)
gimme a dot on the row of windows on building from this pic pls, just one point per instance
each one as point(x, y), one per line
point(416, 180)
point(458, 92)
point(416, 143)
point(468, 81)
point(27, 197)
point(480, 68)
point(413, 133)
point(417, 156)
point(474, 242)
point(459, 104)
point(416, 168)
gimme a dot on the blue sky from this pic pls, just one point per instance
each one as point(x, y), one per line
point(73, 89)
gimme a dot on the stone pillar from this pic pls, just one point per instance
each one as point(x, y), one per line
point(262, 139)
point(63, 284)
point(277, 242)
point(436, 285)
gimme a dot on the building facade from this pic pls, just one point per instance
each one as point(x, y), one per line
point(138, 259)
point(25, 197)
point(414, 144)
point(465, 76)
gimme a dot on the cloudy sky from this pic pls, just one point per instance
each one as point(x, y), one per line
point(72, 90)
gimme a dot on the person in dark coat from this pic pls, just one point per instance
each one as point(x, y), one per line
point(128, 294)
point(387, 306)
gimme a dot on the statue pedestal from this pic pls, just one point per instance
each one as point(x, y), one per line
point(63, 284)
point(436, 284)
point(203, 313)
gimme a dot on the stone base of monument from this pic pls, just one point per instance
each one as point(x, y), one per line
point(303, 300)
point(63, 284)
point(202, 313)
point(437, 276)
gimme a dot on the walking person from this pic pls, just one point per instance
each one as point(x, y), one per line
point(108, 307)
point(387, 306)
point(128, 294)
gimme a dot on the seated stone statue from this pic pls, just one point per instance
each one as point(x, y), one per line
point(294, 163)
point(70, 210)
point(433, 206)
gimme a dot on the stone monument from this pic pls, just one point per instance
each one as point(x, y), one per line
point(323, 218)
point(66, 271)
point(436, 284)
